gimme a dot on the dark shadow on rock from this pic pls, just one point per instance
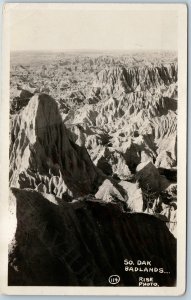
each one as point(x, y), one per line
point(105, 166)
point(53, 153)
point(84, 242)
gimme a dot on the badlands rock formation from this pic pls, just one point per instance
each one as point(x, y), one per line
point(84, 242)
point(93, 156)
point(42, 156)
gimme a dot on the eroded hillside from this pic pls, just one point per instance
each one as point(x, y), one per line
point(93, 155)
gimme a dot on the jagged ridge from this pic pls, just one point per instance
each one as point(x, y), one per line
point(42, 156)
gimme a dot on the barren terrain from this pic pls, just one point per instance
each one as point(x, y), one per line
point(93, 165)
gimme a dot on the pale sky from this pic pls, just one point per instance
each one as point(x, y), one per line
point(48, 29)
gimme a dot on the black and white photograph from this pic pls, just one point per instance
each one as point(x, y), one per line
point(95, 185)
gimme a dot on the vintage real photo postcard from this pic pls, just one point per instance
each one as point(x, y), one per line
point(93, 151)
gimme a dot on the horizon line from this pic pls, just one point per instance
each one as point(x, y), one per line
point(92, 50)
